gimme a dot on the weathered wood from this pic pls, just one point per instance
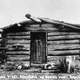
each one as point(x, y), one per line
point(14, 60)
point(65, 52)
point(40, 29)
point(64, 37)
point(18, 62)
point(18, 37)
point(63, 42)
point(24, 46)
point(34, 26)
point(18, 34)
point(23, 49)
point(54, 58)
point(61, 33)
point(47, 27)
point(18, 41)
point(58, 43)
point(1, 49)
point(16, 55)
point(0, 35)
point(43, 26)
point(18, 52)
point(19, 57)
point(63, 46)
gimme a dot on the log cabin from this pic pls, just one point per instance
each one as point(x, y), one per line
point(39, 41)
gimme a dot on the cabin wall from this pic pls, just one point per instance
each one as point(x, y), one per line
point(18, 47)
point(62, 43)
point(59, 42)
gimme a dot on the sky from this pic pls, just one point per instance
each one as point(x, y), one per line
point(13, 11)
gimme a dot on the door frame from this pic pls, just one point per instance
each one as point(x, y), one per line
point(46, 50)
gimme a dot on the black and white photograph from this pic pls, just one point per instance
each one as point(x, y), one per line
point(39, 39)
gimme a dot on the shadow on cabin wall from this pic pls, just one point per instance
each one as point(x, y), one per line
point(3, 58)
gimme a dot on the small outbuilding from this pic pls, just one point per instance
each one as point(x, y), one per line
point(39, 41)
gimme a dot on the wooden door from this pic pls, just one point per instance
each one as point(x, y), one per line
point(38, 47)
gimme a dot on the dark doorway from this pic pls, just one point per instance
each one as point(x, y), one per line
point(38, 47)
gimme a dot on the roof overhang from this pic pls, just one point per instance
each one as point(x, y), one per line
point(33, 20)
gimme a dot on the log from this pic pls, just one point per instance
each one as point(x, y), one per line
point(43, 26)
point(64, 37)
point(63, 46)
point(18, 41)
point(63, 42)
point(27, 43)
point(17, 49)
point(40, 28)
point(34, 26)
point(23, 46)
point(19, 57)
point(18, 62)
point(18, 33)
point(23, 49)
point(0, 40)
point(61, 33)
point(2, 48)
point(54, 58)
point(18, 37)
point(14, 55)
point(66, 52)
point(48, 27)
point(18, 52)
